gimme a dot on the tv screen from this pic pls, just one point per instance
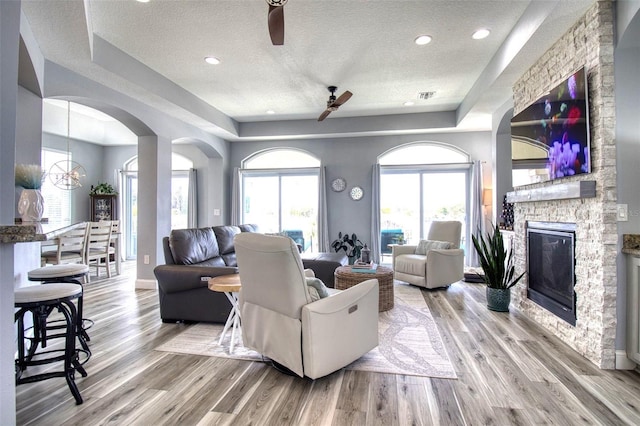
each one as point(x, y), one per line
point(550, 138)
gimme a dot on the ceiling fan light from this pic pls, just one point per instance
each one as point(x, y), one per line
point(481, 33)
point(421, 40)
point(212, 60)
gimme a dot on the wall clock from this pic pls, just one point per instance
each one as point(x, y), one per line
point(338, 184)
point(356, 193)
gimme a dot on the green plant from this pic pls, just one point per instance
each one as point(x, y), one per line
point(103, 188)
point(349, 243)
point(29, 176)
point(497, 265)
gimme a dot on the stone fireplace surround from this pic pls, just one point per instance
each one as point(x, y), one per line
point(588, 43)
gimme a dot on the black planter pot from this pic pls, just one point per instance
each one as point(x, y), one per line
point(498, 299)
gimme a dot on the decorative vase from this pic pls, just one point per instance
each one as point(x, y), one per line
point(498, 299)
point(31, 205)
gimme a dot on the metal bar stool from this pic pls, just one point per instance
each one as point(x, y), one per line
point(67, 273)
point(41, 300)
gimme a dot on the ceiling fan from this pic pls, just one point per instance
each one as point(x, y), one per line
point(275, 18)
point(333, 104)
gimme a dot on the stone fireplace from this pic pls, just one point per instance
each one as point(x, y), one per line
point(590, 44)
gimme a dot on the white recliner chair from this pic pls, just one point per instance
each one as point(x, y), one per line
point(281, 321)
point(436, 267)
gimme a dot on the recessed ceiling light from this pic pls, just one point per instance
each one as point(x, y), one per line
point(270, 112)
point(212, 60)
point(481, 33)
point(422, 40)
point(408, 103)
point(142, 1)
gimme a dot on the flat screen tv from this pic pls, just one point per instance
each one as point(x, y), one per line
point(550, 138)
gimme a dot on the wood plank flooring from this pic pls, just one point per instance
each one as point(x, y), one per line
point(510, 372)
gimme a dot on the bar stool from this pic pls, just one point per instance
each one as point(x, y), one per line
point(67, 273)
point(41, 300)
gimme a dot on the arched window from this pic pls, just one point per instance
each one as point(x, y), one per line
point(280, 194)
point(180, 204)
point(419, 183)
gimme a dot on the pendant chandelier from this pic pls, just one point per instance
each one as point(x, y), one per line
point(66, 174)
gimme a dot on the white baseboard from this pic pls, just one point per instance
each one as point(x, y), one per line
point(146, 284)
point(623, 362)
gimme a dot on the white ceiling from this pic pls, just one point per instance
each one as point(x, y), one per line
point(154, 52)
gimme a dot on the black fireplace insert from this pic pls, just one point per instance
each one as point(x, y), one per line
point(551, 267)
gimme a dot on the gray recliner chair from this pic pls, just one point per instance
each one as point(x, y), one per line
point(439, 264)
point(281, 321)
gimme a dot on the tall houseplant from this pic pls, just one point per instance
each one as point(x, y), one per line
point(499, 271)
point(351, 245)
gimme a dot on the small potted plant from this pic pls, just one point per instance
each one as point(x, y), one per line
point(498, 269)
point(103, 188)
point(351, 245)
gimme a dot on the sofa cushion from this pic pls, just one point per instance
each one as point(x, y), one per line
point(412, 264)
point(225, 235)
point(248, 227)
point(324, 265)
point(193, 246)
point(425, 245)
point(317, 289)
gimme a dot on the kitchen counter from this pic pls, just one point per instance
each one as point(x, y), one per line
point(32, 231)
point(631, 244)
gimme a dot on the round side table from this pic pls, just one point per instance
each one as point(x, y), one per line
point(230, 286)
point(346, 278)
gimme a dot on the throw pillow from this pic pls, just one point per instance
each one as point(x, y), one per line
point(425, 245)
point(316, 288)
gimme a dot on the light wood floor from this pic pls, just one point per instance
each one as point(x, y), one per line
point(510, 372)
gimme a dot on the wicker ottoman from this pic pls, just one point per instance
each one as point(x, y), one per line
point(345, 278)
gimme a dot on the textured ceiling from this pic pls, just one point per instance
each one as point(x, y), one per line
point(362, 46)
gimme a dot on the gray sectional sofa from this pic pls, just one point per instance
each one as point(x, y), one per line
point(192, 256)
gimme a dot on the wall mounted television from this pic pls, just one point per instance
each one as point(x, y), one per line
point(550, 138)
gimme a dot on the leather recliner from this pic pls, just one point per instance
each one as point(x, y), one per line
point(436, 267)
point(281, 321)
point(192, 256)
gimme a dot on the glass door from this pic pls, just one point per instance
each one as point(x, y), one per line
point(411, 199)
point(444, 197)
point(131, 215)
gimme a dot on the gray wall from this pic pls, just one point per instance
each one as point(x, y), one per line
point(627, 91)
point(9, 40)
point(353, 158)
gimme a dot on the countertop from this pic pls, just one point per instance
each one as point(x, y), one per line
point(631, 244)
point(32, 231)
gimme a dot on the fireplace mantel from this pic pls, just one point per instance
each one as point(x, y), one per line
point(560, 191)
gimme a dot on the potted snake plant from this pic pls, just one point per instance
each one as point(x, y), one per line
point(499, 270)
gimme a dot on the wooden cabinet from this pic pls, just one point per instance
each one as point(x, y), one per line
point(104, 207)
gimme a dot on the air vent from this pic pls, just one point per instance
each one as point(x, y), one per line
point(423, 96)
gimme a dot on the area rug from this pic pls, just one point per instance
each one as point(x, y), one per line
point(409, 341)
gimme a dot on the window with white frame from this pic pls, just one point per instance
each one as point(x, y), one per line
point(280, 194)
point(57, 202)
point(420, 183)
point(179, 199)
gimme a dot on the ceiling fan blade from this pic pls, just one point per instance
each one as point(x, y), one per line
point(276, 25)
point(324, 114)
point(342, 99)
